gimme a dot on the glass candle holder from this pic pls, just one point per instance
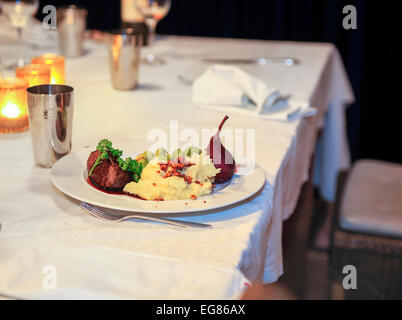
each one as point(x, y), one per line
point(34, 74)
point(13, 105)
point(56, 63)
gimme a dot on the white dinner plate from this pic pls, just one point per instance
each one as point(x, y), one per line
point(69, 175)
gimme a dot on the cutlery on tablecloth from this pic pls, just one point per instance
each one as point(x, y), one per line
point(287, 61)
point(294, 113)
point(103, 215)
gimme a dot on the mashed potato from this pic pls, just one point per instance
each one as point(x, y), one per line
point(175, 181)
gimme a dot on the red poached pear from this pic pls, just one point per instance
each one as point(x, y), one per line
point(221, 158)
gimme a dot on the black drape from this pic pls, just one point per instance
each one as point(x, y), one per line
point(369, 53)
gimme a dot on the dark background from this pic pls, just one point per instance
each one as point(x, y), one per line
point(369, 53)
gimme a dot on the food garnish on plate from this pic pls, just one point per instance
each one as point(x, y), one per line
point(108, 171)
point(221, 157)
point(162, 176)
point(184, 177)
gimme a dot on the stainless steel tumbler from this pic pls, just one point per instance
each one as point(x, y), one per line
point(71, 25)
point(50, 112)
point(124, 57)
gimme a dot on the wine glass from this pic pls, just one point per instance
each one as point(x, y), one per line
point(18, 12)
point(153, 11)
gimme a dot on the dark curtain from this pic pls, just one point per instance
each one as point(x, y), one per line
point(369, 53)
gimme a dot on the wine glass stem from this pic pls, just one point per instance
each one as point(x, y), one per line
point(20, 61)
point(151, 25)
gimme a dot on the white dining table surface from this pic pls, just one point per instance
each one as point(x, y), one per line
point(42, 227)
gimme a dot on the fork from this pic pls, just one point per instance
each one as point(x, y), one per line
point(105, 216)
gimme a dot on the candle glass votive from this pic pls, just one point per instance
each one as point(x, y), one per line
point(34, 74)
point(13, 105)
point(56, 63)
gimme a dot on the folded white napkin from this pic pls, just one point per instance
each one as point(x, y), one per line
point(234, 90)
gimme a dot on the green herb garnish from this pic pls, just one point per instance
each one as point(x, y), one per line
point(132, 166)
point(106, 151)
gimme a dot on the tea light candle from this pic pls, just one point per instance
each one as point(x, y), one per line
point(34, 74)
point(56, 63)
point(13, 105)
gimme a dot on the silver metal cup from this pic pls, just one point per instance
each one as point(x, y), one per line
point(124, 57)
point(50, 112)
point(71, 25)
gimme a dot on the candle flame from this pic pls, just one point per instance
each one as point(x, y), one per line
point(10, 110)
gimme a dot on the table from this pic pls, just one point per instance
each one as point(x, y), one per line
point(42, 227)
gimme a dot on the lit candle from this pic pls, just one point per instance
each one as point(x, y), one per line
point(57, 66)
point(34, 74)
point(13, 105)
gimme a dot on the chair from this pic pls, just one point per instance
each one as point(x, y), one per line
point(367, 231)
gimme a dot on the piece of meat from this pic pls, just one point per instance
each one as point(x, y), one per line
point(91, 159)
point(107, 174)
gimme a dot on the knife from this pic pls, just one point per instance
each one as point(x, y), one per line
point(288, 61)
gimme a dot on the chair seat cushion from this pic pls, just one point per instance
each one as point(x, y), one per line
point(372, 199)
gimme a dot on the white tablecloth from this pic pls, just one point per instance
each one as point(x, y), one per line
point(41, 226)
